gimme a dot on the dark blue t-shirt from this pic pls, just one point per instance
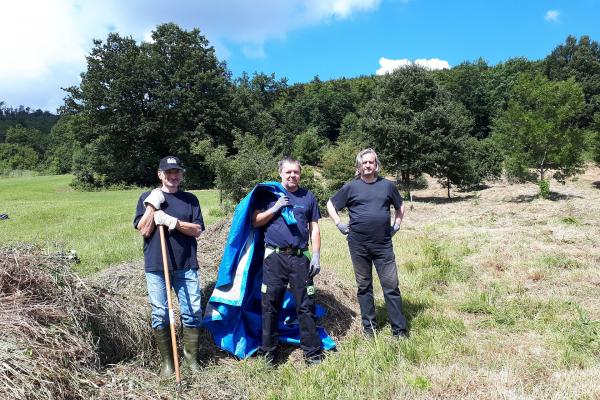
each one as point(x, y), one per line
point(369, 208)
point(280, 234)
point(182, 248)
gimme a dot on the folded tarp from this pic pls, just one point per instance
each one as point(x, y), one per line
point(233, 313)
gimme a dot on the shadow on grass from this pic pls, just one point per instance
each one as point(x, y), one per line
point(441, 200)
point(410, 308)
point(553, 196)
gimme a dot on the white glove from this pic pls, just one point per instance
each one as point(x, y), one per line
point(155, 198)
point(395, 229)
point(162, 218)
point(343, 228)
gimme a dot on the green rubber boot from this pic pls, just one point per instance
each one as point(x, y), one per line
point(191, 336)
point(163, 341)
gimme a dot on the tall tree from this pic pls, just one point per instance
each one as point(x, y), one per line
point(539, 128)
point(579, 60)
point(141, 102)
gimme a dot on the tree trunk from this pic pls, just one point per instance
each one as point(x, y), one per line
point(448, 185)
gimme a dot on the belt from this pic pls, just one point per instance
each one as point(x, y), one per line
point(287, 250)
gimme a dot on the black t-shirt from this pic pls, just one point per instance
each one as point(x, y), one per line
point(182, 249)
point(280, 234)
point(369, 208)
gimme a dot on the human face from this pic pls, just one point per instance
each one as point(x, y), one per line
point(171, 179)
point(290, 176)
point(368, 166)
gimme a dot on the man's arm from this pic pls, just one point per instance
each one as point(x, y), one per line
point(146, 223)
point(315, 236)
point(189, 229)
point(333, 214)
point(261, 218)
point(399, 215)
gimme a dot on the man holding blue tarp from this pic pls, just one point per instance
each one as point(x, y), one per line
point(287, 260)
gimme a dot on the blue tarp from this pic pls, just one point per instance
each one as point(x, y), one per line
point(233, 313)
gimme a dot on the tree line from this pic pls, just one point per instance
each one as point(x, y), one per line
point(140, 101)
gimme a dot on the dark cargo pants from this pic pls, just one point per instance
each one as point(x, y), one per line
point(278, 270)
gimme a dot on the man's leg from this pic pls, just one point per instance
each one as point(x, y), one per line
point(385, 264)
point(310, 342)
point(272, 290)
point(157, 297)
point(187, 287)
point(363, 272)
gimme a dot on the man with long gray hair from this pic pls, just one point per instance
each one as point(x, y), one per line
point(368, 198)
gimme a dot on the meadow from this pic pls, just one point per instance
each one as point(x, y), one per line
point(501, 290)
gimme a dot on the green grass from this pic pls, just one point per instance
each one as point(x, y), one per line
point(46, 211)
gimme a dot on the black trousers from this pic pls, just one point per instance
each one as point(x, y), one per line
point(364, 255)
point(278, 270)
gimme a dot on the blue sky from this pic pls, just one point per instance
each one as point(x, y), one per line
point(297, 39)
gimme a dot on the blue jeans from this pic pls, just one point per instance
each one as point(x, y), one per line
point(186, 286)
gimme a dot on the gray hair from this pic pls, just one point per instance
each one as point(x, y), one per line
point(359, 160)
point(288, 160)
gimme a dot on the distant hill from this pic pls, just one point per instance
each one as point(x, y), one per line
point(24, 116)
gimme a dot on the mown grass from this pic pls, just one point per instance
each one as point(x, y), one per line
point(498, 306)
point(46, 211)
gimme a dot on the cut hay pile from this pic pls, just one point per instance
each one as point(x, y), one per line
point(57, 332)
point(68, 338)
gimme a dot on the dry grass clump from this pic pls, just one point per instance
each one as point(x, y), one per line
point(57, 331)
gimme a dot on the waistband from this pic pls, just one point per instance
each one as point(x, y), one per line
point(287, 250)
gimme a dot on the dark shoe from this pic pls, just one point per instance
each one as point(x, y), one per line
point(191, 336)
point(163, 342)
point(268, 356)
point(314, 360)
point(401, 334)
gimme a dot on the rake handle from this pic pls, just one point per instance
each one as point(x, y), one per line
point(163, 247)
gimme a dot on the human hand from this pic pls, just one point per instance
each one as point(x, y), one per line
point(315, 265)
point(395, 229)
point(162, 218)
point(283, 201)
point(343, 228)
point(155, 198)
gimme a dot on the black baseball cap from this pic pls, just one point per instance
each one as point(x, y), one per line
point(170, 162)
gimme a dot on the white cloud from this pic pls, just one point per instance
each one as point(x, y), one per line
point(387, 65)
point(552, 15)
point(48, 40)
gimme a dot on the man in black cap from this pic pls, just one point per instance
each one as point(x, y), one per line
point(180, 212)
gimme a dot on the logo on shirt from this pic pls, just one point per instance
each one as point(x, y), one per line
point(298, 206)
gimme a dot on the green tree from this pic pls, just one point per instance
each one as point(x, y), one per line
point(63, 143)
point(539, 128)
point(17, 157)
point(339, 164)
point(28, 137)
point(579, 60)
point(308, 147)
point(141, 102)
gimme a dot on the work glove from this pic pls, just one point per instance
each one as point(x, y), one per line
point(315, 265)
point(162, 218)
point(283, 201)
point(155, 198)
point(343, 228)
point(395, 229)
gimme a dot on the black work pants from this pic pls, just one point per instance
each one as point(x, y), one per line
point(364, 255)
point(278, 270)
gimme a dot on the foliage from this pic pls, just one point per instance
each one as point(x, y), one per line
point(27, 137)
point(339, 164)
point(141, 102)
point(236, 175)
point(539, 128)
point(579, 60)
point(544, 186)
point(17, 157)
point(308, 147)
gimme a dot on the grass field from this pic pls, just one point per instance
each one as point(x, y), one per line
point(46, 211)
point(501, 289)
